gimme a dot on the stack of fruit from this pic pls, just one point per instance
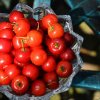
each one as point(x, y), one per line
point(34, 54)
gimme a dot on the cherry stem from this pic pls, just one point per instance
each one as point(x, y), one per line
point(22, 43)
point(51, 27)
point(56, 45)
point(23, 37)
point(62, 68)
point(13, 23)
point(19, 84)
point(38, 26)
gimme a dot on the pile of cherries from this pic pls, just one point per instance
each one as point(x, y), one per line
point(34, 54)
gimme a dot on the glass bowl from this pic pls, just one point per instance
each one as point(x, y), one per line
point(65, 20)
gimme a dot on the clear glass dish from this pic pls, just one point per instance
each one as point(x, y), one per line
point(65, 20)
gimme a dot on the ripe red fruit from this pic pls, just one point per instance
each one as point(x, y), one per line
point(21, 27)
point(55, 31)
point(51, 80)
point(4, 79)
point(53, 85)
point(69, 38)
point(6, 33)
point(4, 25)
point(20, 64)
point(12, 71)
point(31, 71)
point(15, 16)
point(19, 42)
point(49, 19)
point(49, 77)
point(20, 84)
point(49, 65)
point(56, 46)
point(38, 88)
point(5, 59)
point(68, 55)
point(38, 57)
point(22, 55)
point(34, 38)
point(5, 45)
point(64, 69)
